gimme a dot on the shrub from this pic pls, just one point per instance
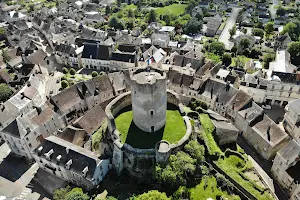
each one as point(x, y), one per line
point(72, 71)
point(94, 74)
point(64, 84)
point(5, 92)
point(65, 70)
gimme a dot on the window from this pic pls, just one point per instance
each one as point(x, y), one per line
point(151, 113)
point(152, 129)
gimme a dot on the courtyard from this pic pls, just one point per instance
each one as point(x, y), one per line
point(172, 132)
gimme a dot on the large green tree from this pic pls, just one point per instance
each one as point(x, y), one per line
point(267, 59)
point(269, 28)
point(293, 29)
point(195, 150)
point(77, 194)
point(180, 168)
point(116, 23)
point(152, 195)
point(215, 47)
point(61, 193)
point(152, 16)
point(193, 26)
point(232, 31)
point(258, 32)
point(226, 60)
point(294, 50)
point(5, 92)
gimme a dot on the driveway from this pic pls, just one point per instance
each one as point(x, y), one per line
point(272, 9)
point(225, 36)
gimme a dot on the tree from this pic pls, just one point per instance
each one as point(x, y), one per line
point(119, 2)
point(77, 194)
point(5, 92)
point(61, 193)
point(64, 84)
point(280, 11)
point(65, 70)
point(193, 26)
point(152, 16)
point(2, 31)
point(232, 31)
point(180, 168)
point(293, 29)
point(153, 195)
point(94, 74)
point(244, 43)
point(294, 50)
point(258, 32)
point(72, 71)
point(190, 7)
point(216, 47)
point(267, 59)
point(5, 56)
point(195, 150)
point(130, 13)
point(269, 28)
point(107, 10)
point(181, 193)
point(255, 53)
point(116, 23)
point(226, 60)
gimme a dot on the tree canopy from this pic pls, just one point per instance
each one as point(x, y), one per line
point(269, 28)
point(153, 195)
point(226, 60)
point(193, 26)
point(258, 32)
point(152, 16)
point(232, 31)
point(293, 29)
point(294, 50)
point(5, 92)
point(267, 59)
point(195, 150)
point(216, 47)
point(116, 23)
point(76, 194)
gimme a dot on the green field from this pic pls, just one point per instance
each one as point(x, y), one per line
point(175, 9)
point(173, 131)
point(200, 192)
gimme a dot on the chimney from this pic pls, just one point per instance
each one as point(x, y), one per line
point(227, 86)
point(211, 93)
point(268, 133)
point(246, 114)
point(68, 164)
point(28, 129)
point(58, 159)
point(84, 171)
point(39, 151)
point(233, 106)
point(67, 150)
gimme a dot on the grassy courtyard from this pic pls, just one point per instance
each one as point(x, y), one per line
point(173, 131)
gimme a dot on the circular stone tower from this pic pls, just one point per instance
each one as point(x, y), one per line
point(149, 98)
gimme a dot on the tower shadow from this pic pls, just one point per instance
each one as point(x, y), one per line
point(141, 139)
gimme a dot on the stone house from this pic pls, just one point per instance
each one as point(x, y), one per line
point(213, 25)
point(260, 131)
point(71, 163)
point(160, 39)
point(292, 118)
point(285, 169)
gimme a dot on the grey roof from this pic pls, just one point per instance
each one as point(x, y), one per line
point(295, 105)
point(252, 112)
point(80, 157)
point(290, 151)
point(118, 80)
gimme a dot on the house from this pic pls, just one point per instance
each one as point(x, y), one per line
point(167, 29)
point(226, 132)
point(71, 162)
point(281, 42)
point(96, 56)
point(213, 25)
point(285, 168)
point(292, 118)
point(160, 39)
point(154, 26)
point(260, 131)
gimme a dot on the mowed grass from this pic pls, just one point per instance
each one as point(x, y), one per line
point(200, 192)
point(235, 168)
point(175, 9)
point(208, 128)
point(173, 131)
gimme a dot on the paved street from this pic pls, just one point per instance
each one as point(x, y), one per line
point(52, 85)
point(225, 36)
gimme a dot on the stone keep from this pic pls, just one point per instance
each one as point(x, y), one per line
point(149, 98)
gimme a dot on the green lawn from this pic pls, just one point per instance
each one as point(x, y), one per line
point(235, 168)
point(243, 61)
point(175, 9)
point(199, 192)
point(174, 130)
point(208, 128)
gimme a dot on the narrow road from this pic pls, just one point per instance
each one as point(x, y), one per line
point(272, 9)
point(225, 36)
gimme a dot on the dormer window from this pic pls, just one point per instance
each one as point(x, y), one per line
point(48, 155)
point(68, 164)
point(84, 171)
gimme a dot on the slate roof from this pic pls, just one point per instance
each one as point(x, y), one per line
point(197, 83)
point(103, 84)
point(240, 100)
point(252, 112)
point(123, 57)
point(294, 105)
point(92, 120)
point(67, 98)
point(118, 80)
point(65, 48)
point(37, 58)
point(13, 129)
point(96, 51)
point(80, 157)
